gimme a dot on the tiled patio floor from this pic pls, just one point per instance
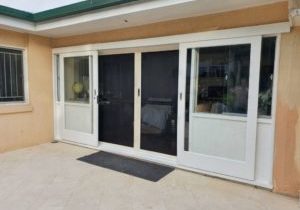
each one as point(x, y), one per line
point(50, 177)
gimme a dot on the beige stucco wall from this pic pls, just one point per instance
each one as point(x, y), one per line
point(287, 135)
point(26, 125)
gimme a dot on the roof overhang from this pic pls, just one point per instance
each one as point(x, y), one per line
point(101, 15)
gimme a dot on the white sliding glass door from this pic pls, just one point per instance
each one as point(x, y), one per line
point(219, 86)
point(79, 97)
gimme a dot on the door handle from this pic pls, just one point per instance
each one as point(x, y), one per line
point(104, 102)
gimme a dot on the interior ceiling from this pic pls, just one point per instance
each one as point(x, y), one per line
point(35, 6)
point(134, 14)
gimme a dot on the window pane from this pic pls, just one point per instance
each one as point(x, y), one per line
point(223, 79)
point(11, 75)
point(266, 76)
point(77, 79)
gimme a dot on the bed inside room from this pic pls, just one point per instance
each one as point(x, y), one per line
point(159, 102)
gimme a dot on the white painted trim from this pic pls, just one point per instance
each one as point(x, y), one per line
point(54, 95)
point(110, 13)
point(77, 136)
point(25, 76)
point(228, 178)
point(184, 38)
point(118, 12)
point(137, 99)
point(274, 94)
point(16, 24)
point(271, 29)
point(159, 48)
point(243, 169)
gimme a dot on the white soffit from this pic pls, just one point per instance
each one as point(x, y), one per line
point(133, 14)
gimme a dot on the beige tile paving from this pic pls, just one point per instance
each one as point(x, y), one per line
point(49, 177)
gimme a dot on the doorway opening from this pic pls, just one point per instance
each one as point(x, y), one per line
point(159, 101)
point(141, 87)
point(116, 99)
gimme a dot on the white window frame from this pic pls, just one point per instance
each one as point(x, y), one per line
point(264, 178)
point(25, 77)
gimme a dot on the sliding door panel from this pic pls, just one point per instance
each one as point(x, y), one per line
point(78, 98)
point(116, 99)
point(159, 102)
point(220, 106)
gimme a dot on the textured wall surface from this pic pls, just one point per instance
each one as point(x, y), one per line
point(26, 125)
point(287, 135)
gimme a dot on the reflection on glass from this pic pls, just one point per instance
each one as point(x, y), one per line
point(77, 79)
point(187, 99)
point(222, 79)
point(159, 102)
point(266, 77)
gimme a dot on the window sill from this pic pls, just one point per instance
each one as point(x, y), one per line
point(13, 108)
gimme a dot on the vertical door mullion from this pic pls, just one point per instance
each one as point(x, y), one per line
point(137, 100)
point(62, 95)
point(94, 94)
point(91, 91)
point(181, 101)
point(193, 88)
point(253, 104)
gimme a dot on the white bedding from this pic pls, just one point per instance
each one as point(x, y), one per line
point(155, 115)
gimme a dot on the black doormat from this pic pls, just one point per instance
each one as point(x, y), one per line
point(145, 170)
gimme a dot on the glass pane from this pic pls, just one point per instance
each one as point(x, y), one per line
point(78, 114)
point(159, 102)
point(77, 79)
point(266, 77)
point(222, 79)
point(11, 75)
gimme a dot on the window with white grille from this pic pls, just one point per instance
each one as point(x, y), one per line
point(11, 75)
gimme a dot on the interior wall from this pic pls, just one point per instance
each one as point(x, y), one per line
point(287, 134)
point(26, 125)
point(272, 13)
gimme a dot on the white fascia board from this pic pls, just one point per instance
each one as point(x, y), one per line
point(268, 29)
point(16, 24)
point(119, 11)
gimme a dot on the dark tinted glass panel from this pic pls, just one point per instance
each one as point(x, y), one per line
point(159, 101)
point(116, 99)
point(266, 76)
point(187, 99)
point(11, 75)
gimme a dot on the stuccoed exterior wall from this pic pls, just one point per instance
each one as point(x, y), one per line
point(287, 134)
point(31, 124)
